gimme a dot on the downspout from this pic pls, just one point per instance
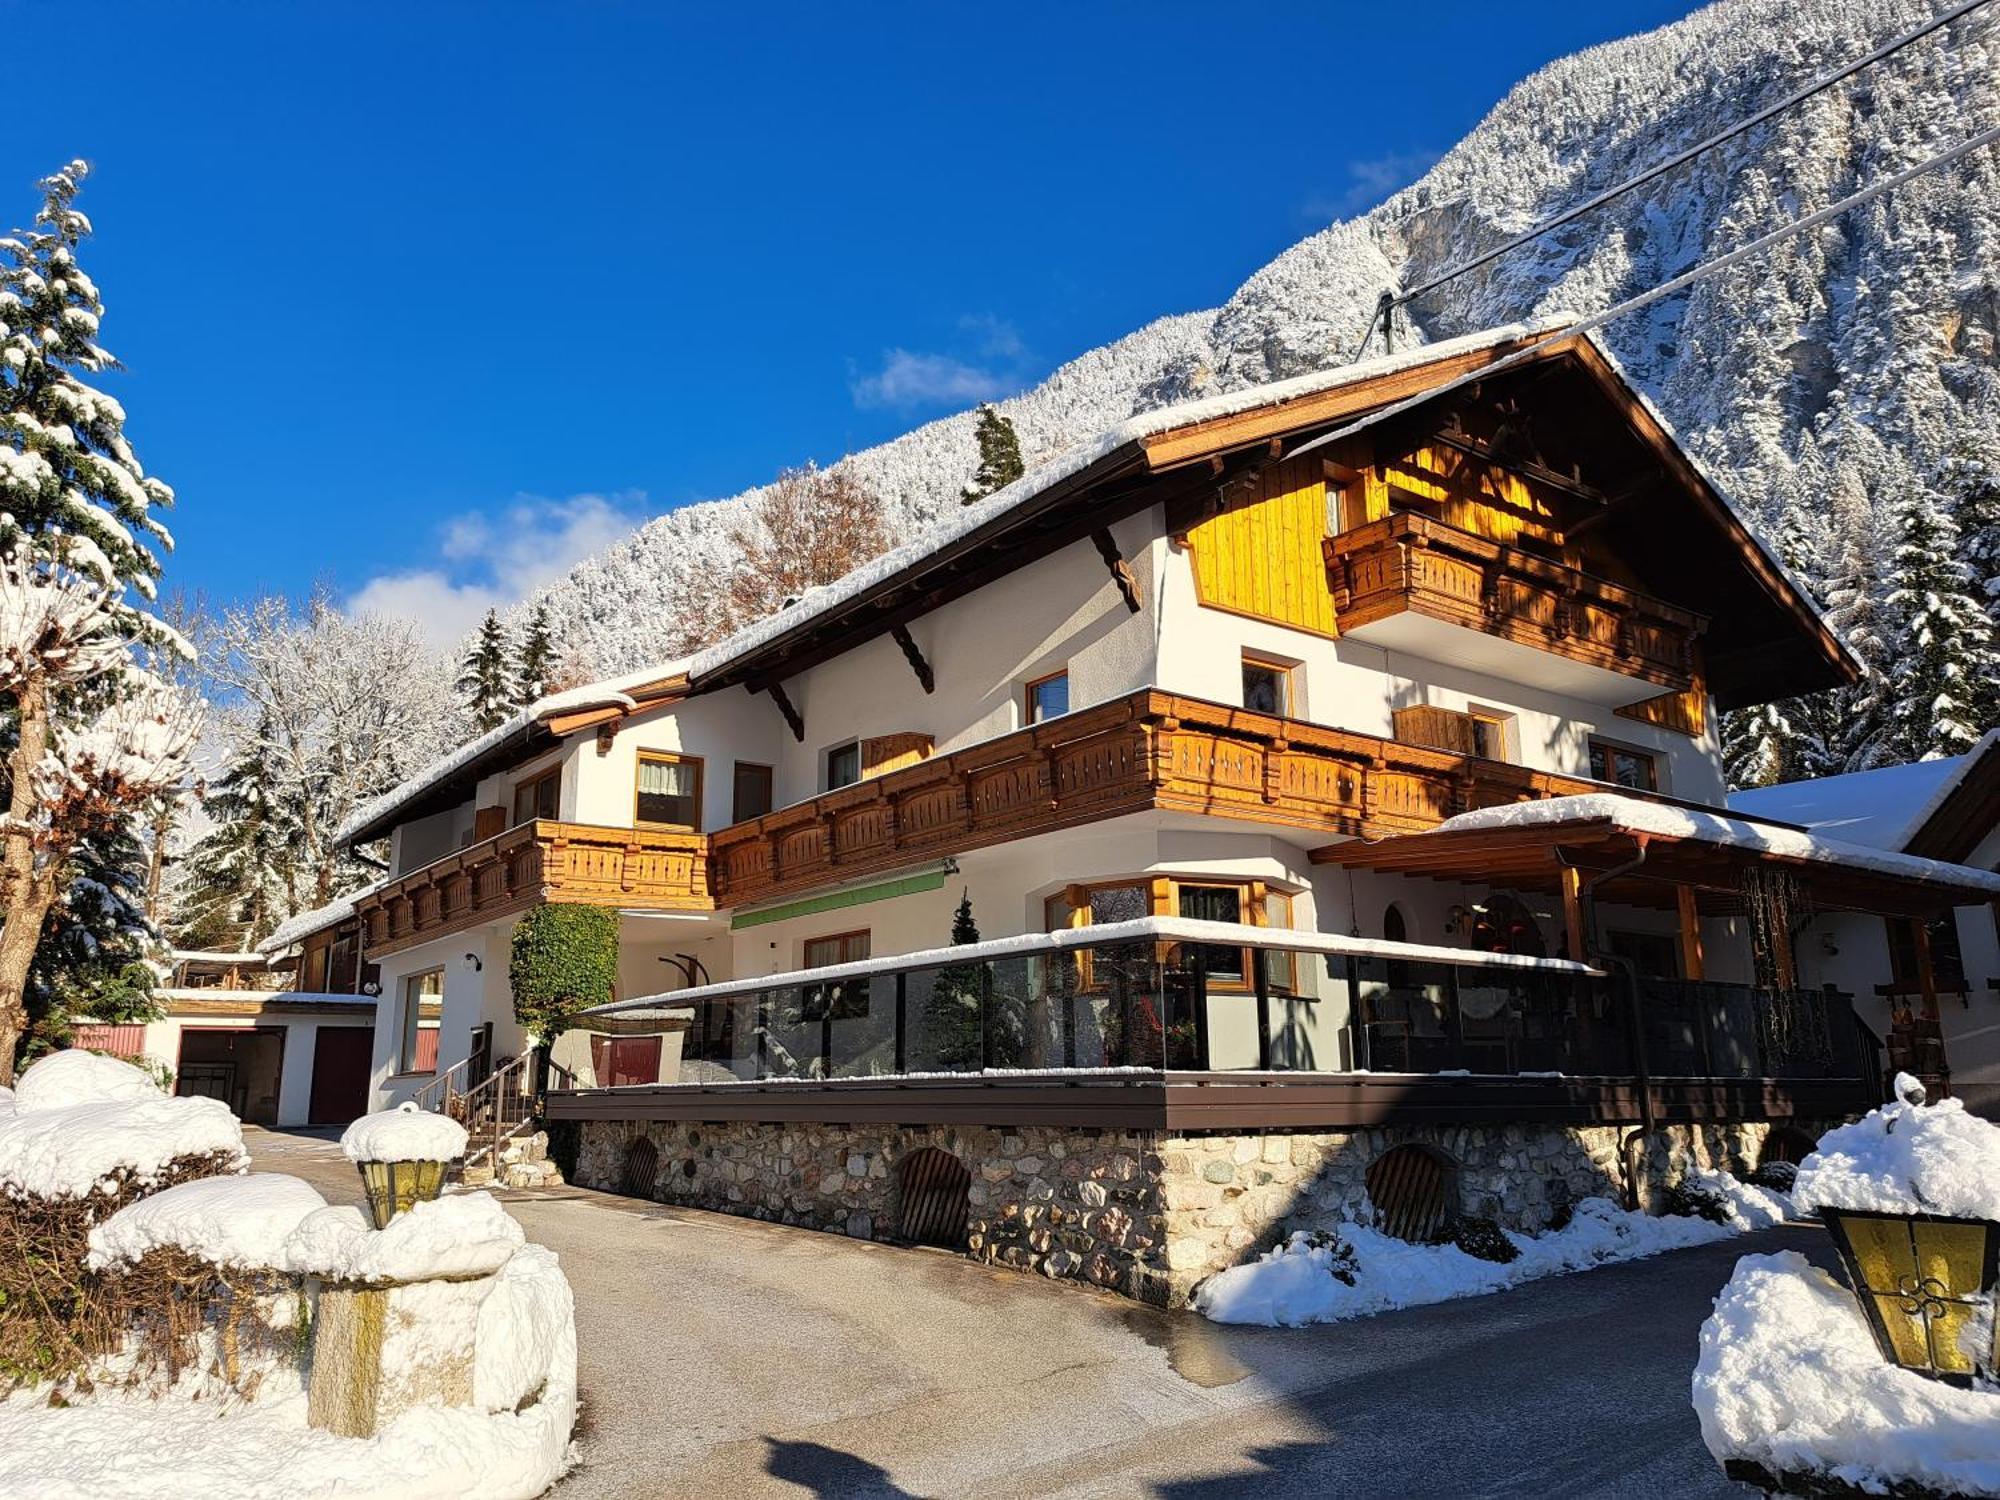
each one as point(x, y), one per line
point(1648, 1123)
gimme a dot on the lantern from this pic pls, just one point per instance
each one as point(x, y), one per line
point(1926, 1283)
point(395, 1186)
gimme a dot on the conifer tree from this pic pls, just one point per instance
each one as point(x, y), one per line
point(483, 678)
point(535, 665)
point(1944, 661)
point(242, 874)
point(999, 454)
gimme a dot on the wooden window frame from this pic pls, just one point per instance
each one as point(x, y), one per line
point(534, 784)
point(736, 770)
point(1290, 676)
point(842, 938)
point(1162, 895)
point(1504, 724)
point(827, 783)
point(1612, 748)
point(1028, 719)
point(669, 758)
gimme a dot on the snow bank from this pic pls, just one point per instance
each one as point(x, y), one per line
point(405, 1133)
point(467, 1234)
point(71, 1150)
point(1906, 1158)
point(227, 1221)
point(1790, 1378)
point(77, 1077)
point(527, 1333)
point(1294, 1284)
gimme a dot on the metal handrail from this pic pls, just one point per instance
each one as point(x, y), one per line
point(510, 1082)
point(437, 1095)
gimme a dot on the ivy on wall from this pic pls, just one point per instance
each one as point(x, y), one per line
point(564, 959)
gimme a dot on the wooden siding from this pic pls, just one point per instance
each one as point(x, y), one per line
point(884, 753)
point(1261, 555)
point(1684, 713)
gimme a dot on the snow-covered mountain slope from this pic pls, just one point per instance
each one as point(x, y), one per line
point(1818, 380)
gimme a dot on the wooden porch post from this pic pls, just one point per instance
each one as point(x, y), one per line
point(1572, 897)
point(1690, 918)
point(1920, 931)
point(1784, 970)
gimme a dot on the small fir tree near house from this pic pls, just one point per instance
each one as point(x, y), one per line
point(242, 876)
point(999, 454)
point(951, 1014)
point(564, 959)
point(483, 677)
point(535, 665)
point(1943, 656)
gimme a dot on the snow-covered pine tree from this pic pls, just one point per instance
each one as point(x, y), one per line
point(483, 684)
point(535, 664)
point(999, 454)
point(1944, 660)
point(242, 875)
point(91, 736)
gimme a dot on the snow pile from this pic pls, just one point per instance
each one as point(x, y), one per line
point(78, 1077)
point(1750, 1206)
point(465, 1235)
point(1907, 1158)
point(80, 1121)
point(1295, 1283)
point(527, 1333)
point(405, 1133)
point(227, 1221)
point(1789, 1378)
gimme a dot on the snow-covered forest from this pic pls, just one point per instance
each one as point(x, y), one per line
point(1845, 388)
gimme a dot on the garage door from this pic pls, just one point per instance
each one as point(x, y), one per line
point(341, 1055)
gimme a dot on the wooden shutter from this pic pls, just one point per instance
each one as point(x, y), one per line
point(488, 823)
point(1437, 728)
point(891, 752)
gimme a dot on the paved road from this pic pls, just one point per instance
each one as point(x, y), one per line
point(722, 1357)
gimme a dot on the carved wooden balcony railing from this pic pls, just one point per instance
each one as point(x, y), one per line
point(1148, 750)
point(1405, 562)
point(635, 868)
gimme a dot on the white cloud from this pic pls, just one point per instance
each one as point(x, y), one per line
point(910, 379)
point(487, 561)
point(1370, 180)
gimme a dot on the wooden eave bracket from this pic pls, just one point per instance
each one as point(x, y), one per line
point(1121, 572)
point(792, 716)
point(913, 654)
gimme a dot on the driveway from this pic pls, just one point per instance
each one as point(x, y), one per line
point(721, 1356)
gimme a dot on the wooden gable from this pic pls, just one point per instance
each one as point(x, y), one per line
point(1259, 552)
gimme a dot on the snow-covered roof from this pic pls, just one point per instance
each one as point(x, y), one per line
point(1883, 808)
point(1632, 815)
point(294, 929)
point(207, 956)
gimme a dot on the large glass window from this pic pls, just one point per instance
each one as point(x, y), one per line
point(423, 1004)
point(669, 792)
point(1048, 698)
point(1216, 903)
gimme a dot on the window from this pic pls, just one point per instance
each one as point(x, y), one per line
point(669, 793)
point(1216, 903)
point(843, 765)
point(1268, 685)
point(1048, 697)
point(1491, 732)
point(841, 948)
point(423, 1001)
point(1623, 767)
point(536, 798)
point(752, 795)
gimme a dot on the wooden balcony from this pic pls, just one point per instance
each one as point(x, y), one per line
point(1392, 576)
point(1148, 751)
point(629, 868)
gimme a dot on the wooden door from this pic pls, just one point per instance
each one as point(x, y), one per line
point(341, 1059)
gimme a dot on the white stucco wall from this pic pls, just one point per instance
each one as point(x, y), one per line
point(163, 1045)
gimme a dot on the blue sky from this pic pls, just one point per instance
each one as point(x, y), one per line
point(425, 301)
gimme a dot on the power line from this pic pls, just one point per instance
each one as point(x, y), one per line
point(1392, 300)
point(1665, 288)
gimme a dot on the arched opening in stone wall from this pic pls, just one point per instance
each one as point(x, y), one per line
point(640, 1168)
point(1414, 1191)
point(931, 1198)
point(1786, 1143)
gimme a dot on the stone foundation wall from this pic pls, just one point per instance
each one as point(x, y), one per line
point(1143, 1214)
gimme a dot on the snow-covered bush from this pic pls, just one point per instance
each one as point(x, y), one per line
point(1779, 1176)
point(85, 1137)
point(1696, 1199)
point(1483, 1239)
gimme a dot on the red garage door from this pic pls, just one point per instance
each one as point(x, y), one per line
point(341, 1055)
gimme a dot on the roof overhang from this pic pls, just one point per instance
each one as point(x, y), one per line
point(1533, 857)
point(1966, 811)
